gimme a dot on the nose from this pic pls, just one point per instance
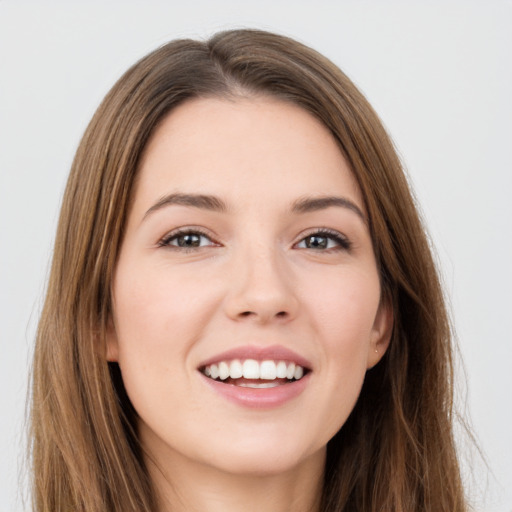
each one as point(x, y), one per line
point(261, 289)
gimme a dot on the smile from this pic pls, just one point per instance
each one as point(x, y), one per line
point(251, 373)
point(260, 377)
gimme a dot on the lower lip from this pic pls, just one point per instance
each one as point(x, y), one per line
point(262, 398)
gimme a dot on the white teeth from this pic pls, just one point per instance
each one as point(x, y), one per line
point(223, 370)
point(251, 369)
point(281, 370)
point(214, 371)
point(290, 371)
point(257, 385)
point(235, 369)
point(268, 370)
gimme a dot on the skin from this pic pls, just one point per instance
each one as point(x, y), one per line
point(254, 280)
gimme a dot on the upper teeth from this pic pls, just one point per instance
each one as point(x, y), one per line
point(252, 369)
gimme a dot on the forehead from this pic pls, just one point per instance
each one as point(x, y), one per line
point(242, 149)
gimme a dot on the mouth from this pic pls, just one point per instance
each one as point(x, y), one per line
point(251, 373)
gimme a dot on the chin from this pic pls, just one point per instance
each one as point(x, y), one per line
point(260, 460)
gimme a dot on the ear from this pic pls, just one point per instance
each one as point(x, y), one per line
point(381, 333)
point(112, 342)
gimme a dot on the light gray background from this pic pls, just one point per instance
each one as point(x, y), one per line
point(438, 73)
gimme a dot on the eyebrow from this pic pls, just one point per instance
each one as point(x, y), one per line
point(204, 202)
point(312, 204)
point(213, 203)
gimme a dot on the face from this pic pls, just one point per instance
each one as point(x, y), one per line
point(246, 296)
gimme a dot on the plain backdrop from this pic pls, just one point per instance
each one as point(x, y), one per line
point(438, 73)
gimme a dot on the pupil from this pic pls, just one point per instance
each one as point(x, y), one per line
point(189, 241)
point(315, 242)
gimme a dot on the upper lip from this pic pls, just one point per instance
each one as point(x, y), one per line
point(259, 353)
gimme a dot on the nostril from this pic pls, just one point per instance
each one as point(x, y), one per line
point(245, 314)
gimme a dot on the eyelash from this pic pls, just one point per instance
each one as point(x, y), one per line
point(342, 242)
point(173, 235)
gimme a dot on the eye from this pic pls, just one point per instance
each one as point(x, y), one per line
point(186, 239)
point(324, 240)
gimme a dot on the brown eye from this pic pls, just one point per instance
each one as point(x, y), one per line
point(186, 240)
point(324, 240)
point(316, 242)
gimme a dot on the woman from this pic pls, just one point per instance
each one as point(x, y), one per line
point(243, 311)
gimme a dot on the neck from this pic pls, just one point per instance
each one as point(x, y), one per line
point(187, 486)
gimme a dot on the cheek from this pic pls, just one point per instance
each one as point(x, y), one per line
point(345, 312)
point(154, 305)
point(344, 318)
point(159, 315)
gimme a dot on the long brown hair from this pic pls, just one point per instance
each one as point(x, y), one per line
point(395, 452)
